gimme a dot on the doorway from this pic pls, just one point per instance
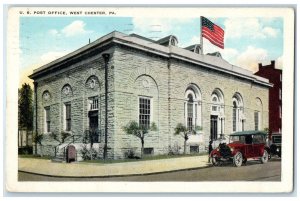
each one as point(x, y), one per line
point(213, 127)
point(93, 125)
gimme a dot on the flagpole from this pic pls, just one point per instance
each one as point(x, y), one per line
point(201, 38)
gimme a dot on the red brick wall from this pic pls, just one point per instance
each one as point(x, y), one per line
point(274, 76)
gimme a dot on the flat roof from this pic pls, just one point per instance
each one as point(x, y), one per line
point(148, 45)
point(251, 132)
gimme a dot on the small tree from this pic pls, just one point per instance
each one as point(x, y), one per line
point(64, 135)
point(25, 111)
point(91, 137)
point(184, 132)
point(133, 128)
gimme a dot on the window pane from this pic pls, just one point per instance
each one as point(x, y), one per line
point(68, 111)
point(190, 116)
point(48, 126)
point(256, 120)
point(47, 114)
point(144, 116)
point(68, 125)
point(234, 119)
point(47, 111)
point(93, 103)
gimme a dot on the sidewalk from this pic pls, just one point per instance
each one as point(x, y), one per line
point(46, 167)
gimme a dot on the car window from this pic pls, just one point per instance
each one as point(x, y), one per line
point(248, 139)
point(276, 139)
point(242, 139)
point(237, 139)
point(234, 138)
point(258, 139)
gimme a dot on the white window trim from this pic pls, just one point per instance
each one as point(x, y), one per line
point(219, 112)
point(196, 105)
point(151, 108)
point(236, 115)
point(259, 120)
point(90, 100)
point(65, 116)
point(45, 120)
point(239, 113)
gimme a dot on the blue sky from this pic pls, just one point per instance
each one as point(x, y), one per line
point(248, 41)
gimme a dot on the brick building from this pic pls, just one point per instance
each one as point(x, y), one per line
point(147, 81)
point(275, 95)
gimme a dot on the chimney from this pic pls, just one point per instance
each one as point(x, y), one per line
point(273, 63)
point(259, 65)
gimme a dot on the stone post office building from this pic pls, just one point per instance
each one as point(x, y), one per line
point(133, 78)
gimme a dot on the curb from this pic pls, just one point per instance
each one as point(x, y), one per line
point(124, 175)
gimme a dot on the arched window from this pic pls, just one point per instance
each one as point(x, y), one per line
point(217, 118)
point(238, 118)
point(173, 41)
point(197, 50)
point(215, 103)
point(234, 116)
point(66, 90)
point(192, 107)
point(190, 112)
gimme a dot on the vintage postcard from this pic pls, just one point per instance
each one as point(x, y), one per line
point(150, 99)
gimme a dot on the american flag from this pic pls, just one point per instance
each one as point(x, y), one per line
point(212, 32)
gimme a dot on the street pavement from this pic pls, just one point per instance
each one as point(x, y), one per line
point(76, 170)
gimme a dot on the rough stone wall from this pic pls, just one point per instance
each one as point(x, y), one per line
point(182, 75)
point(133, 66)
point(77, 77)
point(139, 74)
point(133, 74)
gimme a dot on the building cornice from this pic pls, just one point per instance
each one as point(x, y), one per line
point(207, 61)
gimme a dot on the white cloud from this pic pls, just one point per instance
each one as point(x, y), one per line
point(195, 40)
point(269, 31)
point(44, 59)
point(228, 54)
point(250, 58)
point(279, 63)
point(77, 27)
point(248, 27)
point(53, 32)
point(50, 56)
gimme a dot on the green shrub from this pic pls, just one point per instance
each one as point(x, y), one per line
point(25, 150)
point(88, 154)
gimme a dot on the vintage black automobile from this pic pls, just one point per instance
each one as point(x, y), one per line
point(241, 147)
point(275, 144)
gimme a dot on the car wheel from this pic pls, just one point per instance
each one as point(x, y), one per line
point(265, 157)
point(214, 160)
point(238, 159)
point(269, 156)
point(279, 154)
